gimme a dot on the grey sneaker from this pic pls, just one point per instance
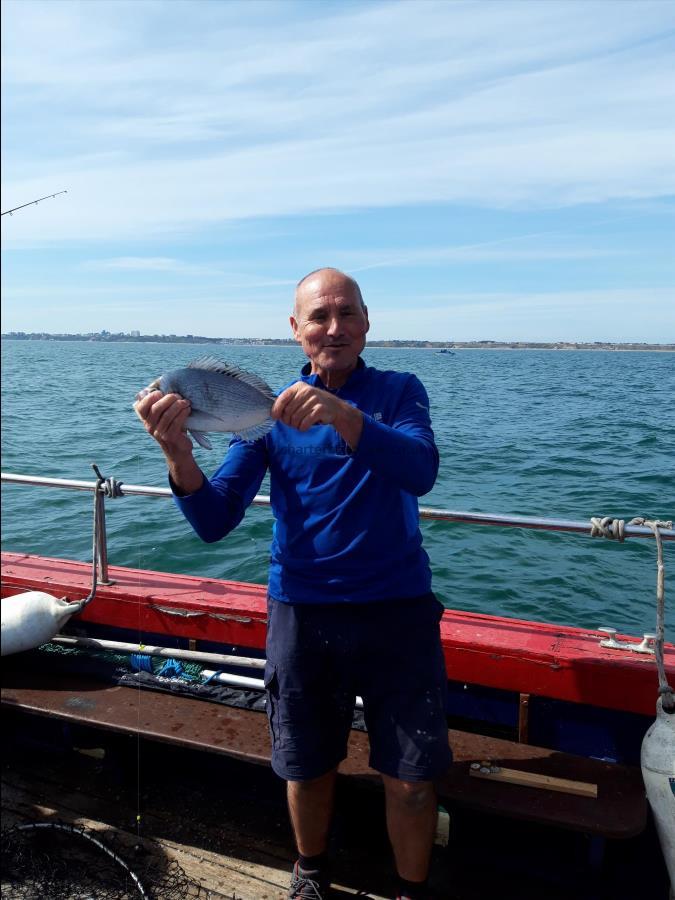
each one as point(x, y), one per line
point(306, 885)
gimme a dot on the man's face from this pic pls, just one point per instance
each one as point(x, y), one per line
point(329, 322)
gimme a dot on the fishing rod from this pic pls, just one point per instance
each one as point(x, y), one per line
point(8, 212)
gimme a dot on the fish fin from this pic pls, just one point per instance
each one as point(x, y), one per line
point(257, 431)
point(201, 439)
point(211, 364)
point(153, 386)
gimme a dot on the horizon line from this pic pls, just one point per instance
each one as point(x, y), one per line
point(120, 336)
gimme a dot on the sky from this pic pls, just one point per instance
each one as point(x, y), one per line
point(486, 170)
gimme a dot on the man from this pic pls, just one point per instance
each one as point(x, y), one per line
point(350, 605)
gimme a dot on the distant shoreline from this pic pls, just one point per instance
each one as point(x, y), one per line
point(439, 346)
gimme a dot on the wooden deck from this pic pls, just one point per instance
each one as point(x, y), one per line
point(617, 809)
point(224, 821)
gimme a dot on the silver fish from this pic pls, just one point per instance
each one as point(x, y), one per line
point(223, 398)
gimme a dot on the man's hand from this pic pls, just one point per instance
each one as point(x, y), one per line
point(301, 406)
point(164, 417)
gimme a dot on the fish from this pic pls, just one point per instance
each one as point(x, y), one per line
point(223, 397)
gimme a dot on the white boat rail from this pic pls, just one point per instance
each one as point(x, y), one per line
point(112, 488)
point(426, 512)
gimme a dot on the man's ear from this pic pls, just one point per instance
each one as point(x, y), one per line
point(365, 313)
point(295, 328)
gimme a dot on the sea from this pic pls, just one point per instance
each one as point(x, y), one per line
point(553, 434)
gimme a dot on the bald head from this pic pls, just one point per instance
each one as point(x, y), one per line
point(329, 279)
point(330, 321)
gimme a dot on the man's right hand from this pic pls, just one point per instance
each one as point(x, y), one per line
point(164, 417)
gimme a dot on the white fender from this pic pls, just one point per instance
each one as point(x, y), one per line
point(32, 619)
point(658, 771)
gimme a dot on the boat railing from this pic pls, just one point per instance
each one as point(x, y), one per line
point(110, 488)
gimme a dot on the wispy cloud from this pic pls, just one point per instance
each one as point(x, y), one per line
point(214, 152)
point(164, 265)
point(587, 315)
point(489, 251)
point(533, 105)
point(148, 264)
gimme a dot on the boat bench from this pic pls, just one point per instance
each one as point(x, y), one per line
point(618, 811)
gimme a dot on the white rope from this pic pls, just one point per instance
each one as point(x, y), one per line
point(614, 529)
point(665, 690)
point(608, 527)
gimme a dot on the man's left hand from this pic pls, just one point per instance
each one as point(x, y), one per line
point(301, 406)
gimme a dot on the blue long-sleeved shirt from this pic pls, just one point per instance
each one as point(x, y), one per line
point(346, 522)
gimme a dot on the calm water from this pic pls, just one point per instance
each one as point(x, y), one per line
point(556, 434)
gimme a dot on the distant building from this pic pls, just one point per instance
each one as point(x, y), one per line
point(135, 333)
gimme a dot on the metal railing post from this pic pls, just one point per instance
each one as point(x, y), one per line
point(101, 540)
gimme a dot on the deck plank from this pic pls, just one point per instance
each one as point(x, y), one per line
point(620, 809)
point(234, 843)
point(225, 822)
point(220, 875)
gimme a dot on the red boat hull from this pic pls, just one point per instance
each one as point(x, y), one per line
point(553, 661)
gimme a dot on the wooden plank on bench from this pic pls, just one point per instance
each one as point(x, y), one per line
point(532, 779)
point(170, 718)
point(164, 717)
point(619, 811)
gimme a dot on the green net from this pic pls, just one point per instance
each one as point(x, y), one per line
point(133, 662)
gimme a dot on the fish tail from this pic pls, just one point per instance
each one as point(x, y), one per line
point(257, 431)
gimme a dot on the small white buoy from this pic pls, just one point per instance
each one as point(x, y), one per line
point(442, 836)
point(33, 618)
point(658, 771)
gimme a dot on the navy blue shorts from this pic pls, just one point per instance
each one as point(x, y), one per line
point(320, 657)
